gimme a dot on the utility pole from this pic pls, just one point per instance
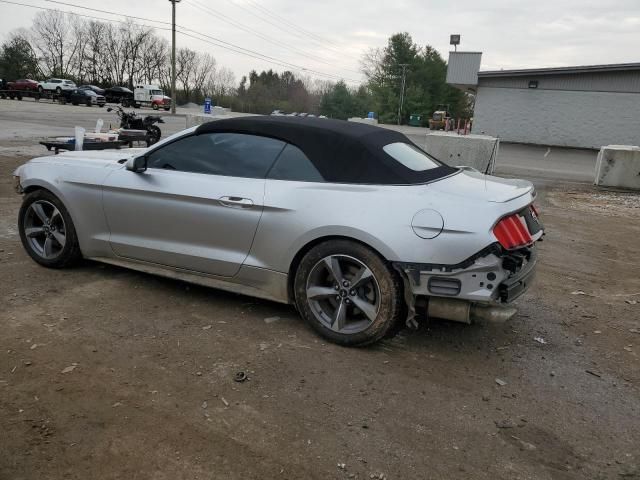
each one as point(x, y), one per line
point(401, 103)
point(173, 55)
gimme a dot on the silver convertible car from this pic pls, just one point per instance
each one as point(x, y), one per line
point(353, 224)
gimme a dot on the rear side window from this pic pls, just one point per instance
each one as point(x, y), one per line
point(293, 164)
point(411, 156)
point(227, 154)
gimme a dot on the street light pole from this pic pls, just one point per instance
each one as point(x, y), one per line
point(173, 55)
point(401, 103)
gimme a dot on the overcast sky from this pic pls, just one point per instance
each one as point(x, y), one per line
point(511, 34)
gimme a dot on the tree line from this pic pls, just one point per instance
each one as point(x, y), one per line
point(125, 53)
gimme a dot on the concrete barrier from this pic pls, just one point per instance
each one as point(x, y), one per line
point(477, 151)
point(217, 113)
point(370, 121)
point(618, 166)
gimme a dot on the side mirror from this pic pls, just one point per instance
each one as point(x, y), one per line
point(137, 164)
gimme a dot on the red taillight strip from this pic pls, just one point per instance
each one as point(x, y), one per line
point(512, 233)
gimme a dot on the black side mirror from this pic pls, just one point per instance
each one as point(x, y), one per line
point(137, 164)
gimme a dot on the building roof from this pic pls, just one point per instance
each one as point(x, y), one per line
point(614, 67)
point(343, 152)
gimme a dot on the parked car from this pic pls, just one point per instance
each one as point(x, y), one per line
point(85, 97)
point(57, 85)
point(23, 85)
point(352, 223)
point(98, 90)
point(120, 95)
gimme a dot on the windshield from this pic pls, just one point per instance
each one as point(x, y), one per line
point(411, 156)
point(156, 92)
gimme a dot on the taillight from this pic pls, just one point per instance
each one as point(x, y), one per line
point(512, 232)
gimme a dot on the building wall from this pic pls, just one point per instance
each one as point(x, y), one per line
point(622, 81)
point(582, 119)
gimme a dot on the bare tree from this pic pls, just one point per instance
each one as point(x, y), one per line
point(56, 41)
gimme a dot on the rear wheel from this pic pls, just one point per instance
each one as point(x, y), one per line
point(347, 293)
point(58, 90)
point(153, 135)
point(46, 230)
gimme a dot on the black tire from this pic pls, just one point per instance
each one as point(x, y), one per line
point(75, 104)
point(40, 89)
point(101, 105)
point(125, 103)
point(391, 301)
point(155, 106)
point(88, 103)
point(58, 90)
point(67, 255)
point(153, 135)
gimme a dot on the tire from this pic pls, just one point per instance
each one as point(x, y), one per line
point(379, 293)
point(125, 103)
point(34, 241)
point(58, 90)
point(155, 106)
point(75, 104)
point(153, 135)
point(88, 103)
point(166, 109)
point(40, 89)
point(101, 105)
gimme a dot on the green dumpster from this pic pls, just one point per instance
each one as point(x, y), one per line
point(415, 120)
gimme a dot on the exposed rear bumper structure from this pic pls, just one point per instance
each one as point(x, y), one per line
point(474, 289)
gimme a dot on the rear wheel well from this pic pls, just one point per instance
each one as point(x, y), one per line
point(303, 251)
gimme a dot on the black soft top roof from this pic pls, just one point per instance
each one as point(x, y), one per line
point(343, 152)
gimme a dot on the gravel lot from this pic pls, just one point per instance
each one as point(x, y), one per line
point(113, 374)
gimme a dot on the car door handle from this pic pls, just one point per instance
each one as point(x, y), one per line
point(236, 202)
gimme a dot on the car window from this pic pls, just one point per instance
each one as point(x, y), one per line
point(293, 164)
point(227, 154)
point(411, 156)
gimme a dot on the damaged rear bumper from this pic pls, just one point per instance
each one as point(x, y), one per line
point(492, 276)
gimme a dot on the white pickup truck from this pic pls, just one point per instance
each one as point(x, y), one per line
point(56, 85)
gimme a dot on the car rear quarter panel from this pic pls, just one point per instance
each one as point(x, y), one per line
point(297, 213)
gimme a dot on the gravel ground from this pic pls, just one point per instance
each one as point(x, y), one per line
point(114, 374)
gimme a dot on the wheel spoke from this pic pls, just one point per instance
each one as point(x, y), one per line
point(333, 265)
point(367, 308)
point(37, 207)
point(54, 214)
point(361, 277)
point(33, 231)
point(48, 247)
point(317, 293)
point(339, 317)
point(59, 237)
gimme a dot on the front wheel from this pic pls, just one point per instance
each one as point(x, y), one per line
point(46, 230)
point(155, 106)
point(348, 293)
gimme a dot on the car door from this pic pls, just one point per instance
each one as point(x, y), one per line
point(196, 207)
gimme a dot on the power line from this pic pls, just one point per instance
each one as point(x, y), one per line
point(83, 16)
point(269, 39)
point(222, 43)
point(280, 27)
point(291, 24)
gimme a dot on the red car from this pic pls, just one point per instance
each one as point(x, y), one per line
point(23, 84)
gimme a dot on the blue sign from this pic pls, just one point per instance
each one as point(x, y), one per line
point(207, 105)
point(371, 115)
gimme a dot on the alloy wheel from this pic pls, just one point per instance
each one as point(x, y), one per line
point(343, 294)
point(44, 229)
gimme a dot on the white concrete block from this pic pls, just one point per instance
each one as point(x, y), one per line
point(370, 121)
point(618, 166)
point(475, 151)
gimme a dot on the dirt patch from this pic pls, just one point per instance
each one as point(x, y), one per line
point(149, 389)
